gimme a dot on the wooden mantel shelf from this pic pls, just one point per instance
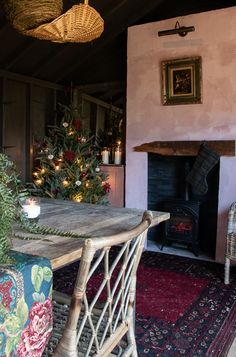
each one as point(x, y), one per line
point(187, 148)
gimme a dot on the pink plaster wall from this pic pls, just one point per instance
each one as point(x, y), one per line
point(148, 120)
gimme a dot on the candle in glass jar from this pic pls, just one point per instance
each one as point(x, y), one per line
point(31, 208)
point(117, 157)
point(105, 156)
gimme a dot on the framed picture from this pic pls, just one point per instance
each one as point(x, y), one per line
point(181, 81)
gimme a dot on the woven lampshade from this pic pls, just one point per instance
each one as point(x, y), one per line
point(28, 14)
point(82, 23)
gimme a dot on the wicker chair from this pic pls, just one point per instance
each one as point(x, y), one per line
point(98, 320)
point(231, 241)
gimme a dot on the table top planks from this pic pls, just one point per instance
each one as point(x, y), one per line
point(82, 218)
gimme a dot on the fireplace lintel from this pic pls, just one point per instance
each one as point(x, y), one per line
point(188, 148)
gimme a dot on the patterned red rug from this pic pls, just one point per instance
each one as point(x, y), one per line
point(183, 306)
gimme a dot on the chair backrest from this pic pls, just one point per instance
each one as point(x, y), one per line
point(104, 293)
point(231, 235)
point(231, 228)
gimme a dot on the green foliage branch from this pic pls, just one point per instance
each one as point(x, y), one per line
point(74, 152)
point(12, 194)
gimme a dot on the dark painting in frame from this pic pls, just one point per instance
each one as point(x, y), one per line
point(181, 81)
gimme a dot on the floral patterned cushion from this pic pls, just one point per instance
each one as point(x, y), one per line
point(25, 306)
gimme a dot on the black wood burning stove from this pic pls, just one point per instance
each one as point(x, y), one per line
point(182, 227)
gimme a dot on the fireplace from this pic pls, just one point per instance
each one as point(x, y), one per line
point(193, 218)
point(143, 192)
point(182, 227)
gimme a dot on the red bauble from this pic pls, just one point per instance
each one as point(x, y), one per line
point(107, 187)
point(69, 155)
point(83, 174)
point(77, 124)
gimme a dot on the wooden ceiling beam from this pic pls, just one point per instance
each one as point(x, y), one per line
point(48, 59)
point(18, 53)
point(4, 29)
point(101, 87)
point(27, 79)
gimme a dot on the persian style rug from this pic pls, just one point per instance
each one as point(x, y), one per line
point(183, 307)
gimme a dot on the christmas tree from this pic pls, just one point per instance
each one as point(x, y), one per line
point(69, 166)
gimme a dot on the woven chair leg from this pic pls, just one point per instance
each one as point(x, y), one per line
point(67, 346)
point(131, 336)
point(227, 270)
point(128, 352)
point(131, 339)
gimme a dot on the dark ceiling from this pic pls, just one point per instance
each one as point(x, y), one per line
point(100, 66)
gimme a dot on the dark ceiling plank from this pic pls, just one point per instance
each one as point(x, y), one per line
point(4, 29)
point(90, 88)
point(18, 53)
point(26, 79)
point(48, 59)
point(118, 28)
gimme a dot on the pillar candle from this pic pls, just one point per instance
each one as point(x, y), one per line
point(117, 157)
point(105, 156)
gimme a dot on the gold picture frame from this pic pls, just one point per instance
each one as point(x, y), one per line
point(181, 81)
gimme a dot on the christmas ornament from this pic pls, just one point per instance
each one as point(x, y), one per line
point(106, 187)
point(77, 124)
point(55, 191)
point(69, 155)
point(73, 172)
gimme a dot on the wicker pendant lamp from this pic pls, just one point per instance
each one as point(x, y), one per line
point(81, 23)
point(28, 14)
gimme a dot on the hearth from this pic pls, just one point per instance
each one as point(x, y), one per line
point(193, 221)
point(182, 227)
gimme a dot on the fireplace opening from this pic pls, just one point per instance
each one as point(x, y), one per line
point(182, 227)
point(193, 218)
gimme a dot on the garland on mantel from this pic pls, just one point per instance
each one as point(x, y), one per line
point(12, 194)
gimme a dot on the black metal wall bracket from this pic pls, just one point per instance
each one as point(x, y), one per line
point(180, 30)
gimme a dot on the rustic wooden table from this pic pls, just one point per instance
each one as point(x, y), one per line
point(87, 219)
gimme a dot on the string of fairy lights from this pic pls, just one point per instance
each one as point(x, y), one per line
point(69, 166)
